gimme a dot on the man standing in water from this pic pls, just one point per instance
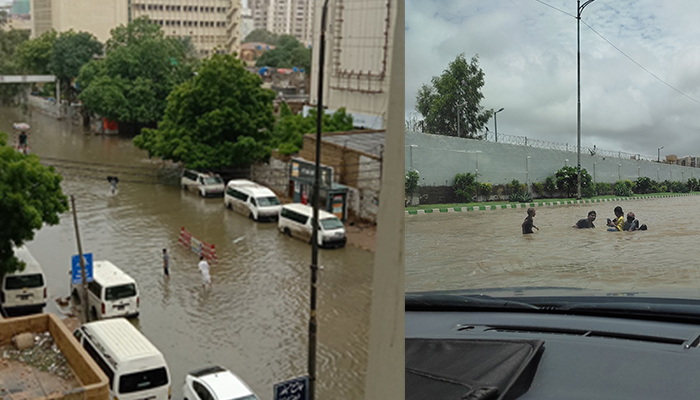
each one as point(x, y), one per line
point(586, 223)
point(166, 263)
point(204, 268)
point(528, 224)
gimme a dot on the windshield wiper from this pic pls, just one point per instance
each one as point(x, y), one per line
point(460, 302)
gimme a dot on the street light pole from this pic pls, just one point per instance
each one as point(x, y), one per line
point(495, 122)
point(658, 154)
point(578, 65)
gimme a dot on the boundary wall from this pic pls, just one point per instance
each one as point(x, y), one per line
point(439, 158)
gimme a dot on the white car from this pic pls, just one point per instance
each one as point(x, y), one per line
point(216, 383)
point(206, 184)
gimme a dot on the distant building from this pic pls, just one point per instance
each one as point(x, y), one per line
point(247, 23)
point(359, 45)
point(213, 25)
point(18, 15)
point(250, 52)
point(284, 17)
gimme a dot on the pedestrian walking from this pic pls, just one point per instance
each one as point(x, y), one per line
point(113, 180)
point(166, 263)
point(529, 223)
point(204, 268)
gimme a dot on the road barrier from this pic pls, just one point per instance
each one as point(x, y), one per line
point(197, 246)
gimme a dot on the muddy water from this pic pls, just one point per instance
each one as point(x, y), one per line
point(254, 318)
point(486, 249)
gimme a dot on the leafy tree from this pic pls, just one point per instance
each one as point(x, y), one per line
point(262, 36)
point(644, 185)
point(692, 184)
point(288, 134)
point(288, 53)
point(140, 69)
point(411, 181)
point(222, 117)
point(459, 86)
point(465, 186)
point(9, 43)
point(567, 180)
point(30, 195)
point(34, 56)
point(71, 51)
point(623, 188)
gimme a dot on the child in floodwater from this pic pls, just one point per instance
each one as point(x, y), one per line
point(618, 223)
point(528, 224)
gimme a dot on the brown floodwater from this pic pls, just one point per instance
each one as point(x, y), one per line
point(254, 318)
point(486, 249)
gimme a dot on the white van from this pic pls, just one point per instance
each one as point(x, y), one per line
point(249, 198)
point(134, 366)
point(112, 293)
point(207, 185)
point(24, 291)
point(295, 220)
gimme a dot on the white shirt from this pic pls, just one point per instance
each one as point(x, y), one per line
point(204, 267)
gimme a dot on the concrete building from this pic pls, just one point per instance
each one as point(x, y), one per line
point(285, 17)
point(359, 46)
point(213, 25)
point(18, 15)
point(247, 23)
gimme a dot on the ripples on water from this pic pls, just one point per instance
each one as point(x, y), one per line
point(485, 249)
point(254, 318)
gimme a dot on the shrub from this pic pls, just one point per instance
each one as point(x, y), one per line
point(550, 185)
point(567, 180)
point(485, 189)
point(644, 185)
point(603, 188)
point(411, 183)
point(623, 189)
point(514, 187)
point(538, 187)
point(692, 184)
point(679, 187)
point(465, 186)
point(588, 192)
point(520, 197)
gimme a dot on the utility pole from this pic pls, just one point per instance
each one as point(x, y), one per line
point(315, 199)
point(82, 260)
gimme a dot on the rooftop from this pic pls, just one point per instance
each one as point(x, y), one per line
point(370, 142)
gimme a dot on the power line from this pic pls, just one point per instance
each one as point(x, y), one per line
point(551, 6)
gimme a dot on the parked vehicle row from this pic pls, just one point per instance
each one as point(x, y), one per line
point(24, 291)
point(259, 203)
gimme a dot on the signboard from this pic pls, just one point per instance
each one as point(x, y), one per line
point(294, 389)
point(76, 276)
point(338, 206)
point(304, 171)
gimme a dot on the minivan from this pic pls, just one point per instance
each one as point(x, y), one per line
point(295, 220)
point(207, 185)
point(135, 367)
point(112, 293)
point(24, 292)
point(255, 201)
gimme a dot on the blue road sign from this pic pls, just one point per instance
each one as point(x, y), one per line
point(294, 389)
point(75, 270)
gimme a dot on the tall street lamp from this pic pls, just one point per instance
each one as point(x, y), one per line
point(495, 122)
point(578, 64)
point(658, 154)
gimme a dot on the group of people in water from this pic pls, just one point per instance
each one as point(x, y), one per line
point(618, 224)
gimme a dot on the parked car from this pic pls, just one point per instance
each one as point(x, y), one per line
point(295, 220)
point(216, 383)
point(253, 200)
point(206, 184)
point(112, 293)
point(24, 291)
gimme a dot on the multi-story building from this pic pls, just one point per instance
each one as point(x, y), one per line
point(357, 61)
point(213, 25)
point(284, 17)
point(17, 16)
point(247, 24)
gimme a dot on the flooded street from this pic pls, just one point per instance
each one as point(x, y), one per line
point(254, 319)
point(486, 249)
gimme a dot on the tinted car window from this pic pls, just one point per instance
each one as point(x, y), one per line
point(138, 381)
point(268, 201)
point(120, 292)
point(24, 281)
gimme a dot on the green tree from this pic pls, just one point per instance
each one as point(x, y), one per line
point(30, 195)
point(567, 180)
point(262, 36)
point(71, 51)
point(34, 56)
point(9, 43)
point(288, 134)
point(411, 182)
point(465, 186)
point(289, 53)
point(140, 69)
point(459, 86)
point(222, 117)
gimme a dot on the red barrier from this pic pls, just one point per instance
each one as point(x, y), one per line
point(197, 246)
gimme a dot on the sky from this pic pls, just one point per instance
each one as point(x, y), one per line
point(527, 51)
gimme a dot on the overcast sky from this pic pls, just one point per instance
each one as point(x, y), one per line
point(527, 51)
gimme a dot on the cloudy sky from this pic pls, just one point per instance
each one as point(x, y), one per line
point(527, 51)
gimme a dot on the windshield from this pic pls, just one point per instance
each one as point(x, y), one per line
point(139, 381)
point(249, 397)
point(469, 186)
point(120, 292)
point(24, 281)
point(268, 201)
point(215, 180)
point(331, 223)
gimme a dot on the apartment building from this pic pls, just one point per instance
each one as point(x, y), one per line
point(284, 17)
point(359, 46)
point(213, 25)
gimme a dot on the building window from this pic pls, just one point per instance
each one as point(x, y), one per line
point(167, 8)
point(195, 8)
point(150, 7)
point(161, 8)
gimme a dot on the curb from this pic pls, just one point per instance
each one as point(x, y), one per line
point(537, 204)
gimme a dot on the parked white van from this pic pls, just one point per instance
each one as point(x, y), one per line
point(249, 198)
point(112, 293)
point(207, 185)
point(24, 291)
point(295, 220)
point(134, 366)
